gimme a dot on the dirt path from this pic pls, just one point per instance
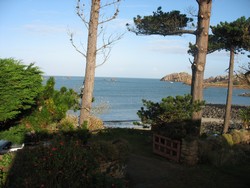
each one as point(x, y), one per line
point(145, 172)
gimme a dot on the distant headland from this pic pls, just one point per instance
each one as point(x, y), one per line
point(218, 81)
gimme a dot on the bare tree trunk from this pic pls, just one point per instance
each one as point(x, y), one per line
point(90, 63)
point(229, 92)
point(198, 66)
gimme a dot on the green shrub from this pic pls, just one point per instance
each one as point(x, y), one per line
point(172, 116)
point(66, 124)
point(14, 134)
point(5, 164)
point(53, 106)
point(170, 109)
point(66, 162)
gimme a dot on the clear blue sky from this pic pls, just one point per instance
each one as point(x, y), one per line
point(36, 31)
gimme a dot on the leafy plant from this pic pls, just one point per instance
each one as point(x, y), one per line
point(15, 134)
point(53, 105)
point(170, 109)
point(172, 116)
point(5, 163)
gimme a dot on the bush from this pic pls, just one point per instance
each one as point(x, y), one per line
point(223, 150)
point(5, 163)
point(169, 110)
point(53, 106)
point(172, 116)
point(14, 134)
point(66, 162)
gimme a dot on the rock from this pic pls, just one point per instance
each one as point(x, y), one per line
point(244, 94)
point(178, 77)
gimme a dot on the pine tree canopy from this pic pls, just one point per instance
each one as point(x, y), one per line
point(235, 34)
point(162, 23)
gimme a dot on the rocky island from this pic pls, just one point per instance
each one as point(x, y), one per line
point(217, 81)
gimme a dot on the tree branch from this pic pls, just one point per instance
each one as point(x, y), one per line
point(72, 43)
point(80, 13)
point(105, 49)
point(115, 13)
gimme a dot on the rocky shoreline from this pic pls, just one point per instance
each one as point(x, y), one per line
point(213, 118)
point(218, 81)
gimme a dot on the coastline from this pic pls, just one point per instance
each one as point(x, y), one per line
point(225, 85)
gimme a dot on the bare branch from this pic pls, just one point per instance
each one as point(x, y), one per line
point(192, 11)
point(80, 13)
point(105, 53)
point(111, 3)
point(190, 61)
point(111, 40)
point(105, 49)
point(115, 3)
point(72, 43)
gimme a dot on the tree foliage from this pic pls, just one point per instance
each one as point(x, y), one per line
point(235, 37)
point(162, 23)
point(53, 105)
point(174, 23)
point(213, 46)
point(20, 85)
point(235, 34)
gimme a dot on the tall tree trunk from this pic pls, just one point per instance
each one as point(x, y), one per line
point(229, 92)
point(198, 66)
point(90, 63)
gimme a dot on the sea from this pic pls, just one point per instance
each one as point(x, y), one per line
point(117, 100)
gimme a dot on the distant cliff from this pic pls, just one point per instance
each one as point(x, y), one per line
point(178, 77)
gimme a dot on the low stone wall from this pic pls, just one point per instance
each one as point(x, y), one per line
point(218, 111)
point(213, 116)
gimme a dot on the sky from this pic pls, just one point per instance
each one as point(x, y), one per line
point(38, 31)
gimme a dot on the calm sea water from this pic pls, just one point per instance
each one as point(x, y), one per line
point(122, 97)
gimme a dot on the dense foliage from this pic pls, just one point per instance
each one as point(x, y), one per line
point(52, 106)
point(19, 87)
point(68, 162)
point(170, 109)
point(172, 117)
point(234, 35)
point(161, 23)
point(49, 114)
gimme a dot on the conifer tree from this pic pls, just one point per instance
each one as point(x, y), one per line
point(20, 85)
point(175, 23)
point(235, 37)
